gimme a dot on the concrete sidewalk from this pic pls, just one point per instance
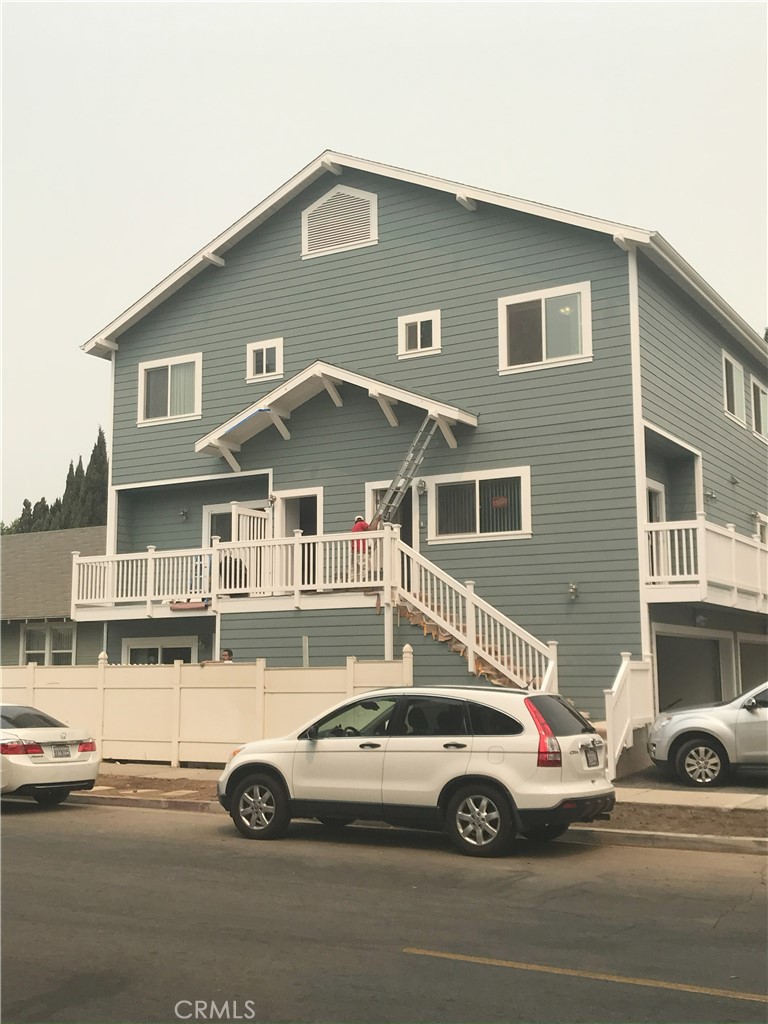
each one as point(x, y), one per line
point(647, 795)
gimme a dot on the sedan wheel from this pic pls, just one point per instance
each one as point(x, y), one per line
point(479, 822)
point(260, 808)
point(702, 762)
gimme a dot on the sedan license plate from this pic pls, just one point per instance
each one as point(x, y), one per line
point(592, 759)
point(61, 750)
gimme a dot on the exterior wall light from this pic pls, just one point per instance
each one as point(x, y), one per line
point(421, 486)
point(573, 590)
point(183, 513)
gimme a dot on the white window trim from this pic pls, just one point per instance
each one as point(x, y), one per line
point(158, 641)
point(523, 472)
point(661, 490)
point(278, 514)
point(193, 357)
point(47, 626)
point(403, 321)
point(755, 383)
point(262, 504)
point(374, 223)
point(584, 290)
point(737, 365)
point(761, 527)
point(255, 346)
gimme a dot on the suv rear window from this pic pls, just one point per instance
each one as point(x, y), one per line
point(561, 718)
point(492, 722)
point(27, 718)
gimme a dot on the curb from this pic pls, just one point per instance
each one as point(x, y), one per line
point(579, 834)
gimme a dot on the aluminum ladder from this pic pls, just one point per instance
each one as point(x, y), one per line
point(394, 494)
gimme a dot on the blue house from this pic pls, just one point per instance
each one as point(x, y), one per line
point(594, 480)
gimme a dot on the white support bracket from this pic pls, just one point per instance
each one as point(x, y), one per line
point(329, 165)
point(385, 404)
point(333, 391)
point(445, 427)
point(212, 258)
point(466, 202)
point(279, 423)
point(226, 454)
point(108, 343)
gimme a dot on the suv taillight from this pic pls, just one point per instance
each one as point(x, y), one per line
point(550, 755)
point(86, 746)
point(17, 747)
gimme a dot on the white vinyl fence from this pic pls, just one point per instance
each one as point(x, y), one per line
point(181, 713)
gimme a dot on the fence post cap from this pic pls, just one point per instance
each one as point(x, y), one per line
point(103, 658)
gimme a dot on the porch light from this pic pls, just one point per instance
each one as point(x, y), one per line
point(183, 513)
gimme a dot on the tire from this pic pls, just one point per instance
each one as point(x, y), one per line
point(544, 833)
point(335, 822)
point(702, 762)
point(260, 808)
point(479, 821)
point(50, 797)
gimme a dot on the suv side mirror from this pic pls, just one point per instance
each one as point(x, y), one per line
point(311, 733)
point(750, 704)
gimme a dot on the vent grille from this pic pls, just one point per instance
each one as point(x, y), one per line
point(343, 219)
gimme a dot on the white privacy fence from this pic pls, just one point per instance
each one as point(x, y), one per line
point(629, 705)
point(180, 713)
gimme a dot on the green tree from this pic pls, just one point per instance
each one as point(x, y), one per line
point(93, 494)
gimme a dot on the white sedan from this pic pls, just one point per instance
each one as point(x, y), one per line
point(43, 758)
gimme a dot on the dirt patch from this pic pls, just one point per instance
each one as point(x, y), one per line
point(635, 817)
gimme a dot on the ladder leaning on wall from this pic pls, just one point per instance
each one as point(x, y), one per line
point(393, 496)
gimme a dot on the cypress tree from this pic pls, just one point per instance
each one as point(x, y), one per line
point(40, 516)
point(25, 519)
point(93, 497)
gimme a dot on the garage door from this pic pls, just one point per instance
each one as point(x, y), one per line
point(688, 671)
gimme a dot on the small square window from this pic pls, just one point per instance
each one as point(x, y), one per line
point(550, 326)
point(733, 390)
point(759, 409)
point(170, 389)
point(418, 334)
point(264, 359)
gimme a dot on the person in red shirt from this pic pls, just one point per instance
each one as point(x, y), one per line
point(360, 547)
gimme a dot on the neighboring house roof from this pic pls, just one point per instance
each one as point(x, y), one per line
point(655, 247)
point(36, 580)
point(277, 406)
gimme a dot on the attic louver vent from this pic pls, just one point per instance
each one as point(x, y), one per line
point(345, 218)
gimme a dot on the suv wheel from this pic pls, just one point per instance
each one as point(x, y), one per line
point(479, 821)
point(260, 807)
point(702, 762)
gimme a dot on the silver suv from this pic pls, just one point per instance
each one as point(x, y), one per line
point(482, 764)
point(703, 744)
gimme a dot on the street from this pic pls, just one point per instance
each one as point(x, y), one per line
point(126, 915)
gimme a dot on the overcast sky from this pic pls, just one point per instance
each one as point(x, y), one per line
point(136, 132)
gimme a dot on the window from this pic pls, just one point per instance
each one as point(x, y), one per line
point(549, 326)
point(733, 389)
point(418, 334)
point(761, 528)
point(483, 506)
point(344, 218)
point(159, 650)
point(491, 722)
point(432, 716)
point(367, 717)
point(264, 360)
point(759, 409)
point(170, 389)
point(50, 644)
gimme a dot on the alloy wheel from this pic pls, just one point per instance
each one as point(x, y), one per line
point(257, 806)
point(478, 820)
point(703, 765)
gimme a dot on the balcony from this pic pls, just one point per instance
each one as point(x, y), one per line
point(698, 561)
point(280, 571)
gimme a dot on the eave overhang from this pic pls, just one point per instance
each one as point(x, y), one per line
point(274, 408)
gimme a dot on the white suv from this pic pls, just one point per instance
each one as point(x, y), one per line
point(482, 764)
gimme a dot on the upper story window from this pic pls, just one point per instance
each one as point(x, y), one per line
point(344, 218)
point(733, 389)
point(418, 334)
point(552, 326)
point(264, 359)
point(170, 389)
point(760, 409)
point(488, 505)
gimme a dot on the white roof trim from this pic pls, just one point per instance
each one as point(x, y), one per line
point(305, 385)
point(655, 246)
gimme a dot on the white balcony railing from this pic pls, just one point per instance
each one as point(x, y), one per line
point(697, 560)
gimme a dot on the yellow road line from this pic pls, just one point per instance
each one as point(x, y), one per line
point(750, 997)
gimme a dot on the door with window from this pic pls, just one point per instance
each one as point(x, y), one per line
point(297, 511)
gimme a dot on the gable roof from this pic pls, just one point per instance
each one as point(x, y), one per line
point(655, 247)
point(37, 570)
point(276, 406)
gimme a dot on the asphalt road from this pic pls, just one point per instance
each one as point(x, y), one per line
point(115, 914)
